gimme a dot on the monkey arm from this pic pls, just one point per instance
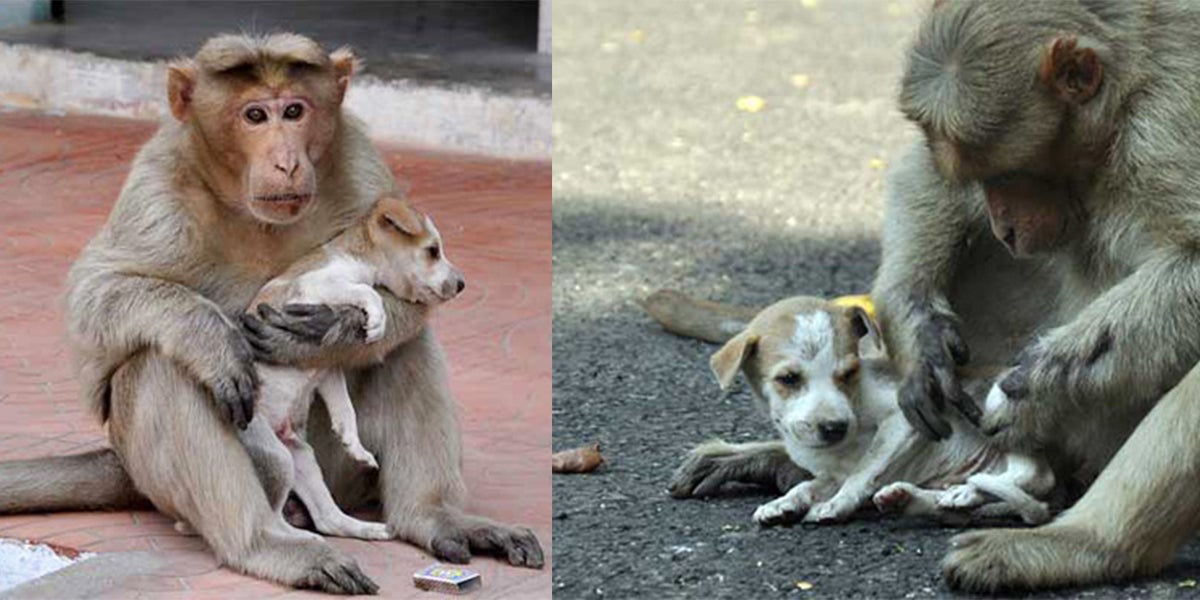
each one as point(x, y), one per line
point(1136, 340)
point(113, 315)
point(330, 336)
point(926, 228)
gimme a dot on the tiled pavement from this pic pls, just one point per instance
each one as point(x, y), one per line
point(58, 177)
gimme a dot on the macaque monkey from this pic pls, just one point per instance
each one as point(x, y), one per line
point(1087, 105)
point(259, 166)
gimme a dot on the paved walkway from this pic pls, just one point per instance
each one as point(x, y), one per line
point(58, 178)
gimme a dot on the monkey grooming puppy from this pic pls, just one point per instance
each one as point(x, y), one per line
point(836, 412)
point(394, 247)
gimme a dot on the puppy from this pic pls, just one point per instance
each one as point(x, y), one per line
point(834, 405)
point(394, 247)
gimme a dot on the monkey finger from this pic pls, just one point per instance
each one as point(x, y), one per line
point(955, 344)
point(967, 406)
point(920, 403)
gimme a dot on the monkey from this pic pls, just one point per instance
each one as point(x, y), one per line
point(1087, 102)
point(257, 165)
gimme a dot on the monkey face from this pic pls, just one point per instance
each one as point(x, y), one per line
point(416, 267)
point(265, 112)
point(1028, 214)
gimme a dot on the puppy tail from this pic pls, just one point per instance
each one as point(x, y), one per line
point(90, 481)
point(701, 319)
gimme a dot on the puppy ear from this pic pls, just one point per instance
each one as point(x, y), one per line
point(862, 324)
point(396, 213)
point(730, 358)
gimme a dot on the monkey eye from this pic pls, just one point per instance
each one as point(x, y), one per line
point(435, 252)
point(789, 379)
point(255, 115)
point(293, 112)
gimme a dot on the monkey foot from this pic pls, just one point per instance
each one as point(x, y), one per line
point(1000, 560)
point(518, 545)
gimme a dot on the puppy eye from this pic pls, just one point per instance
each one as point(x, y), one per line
point(788, 379)
point(435, 252)
point(255, 115)
point(293, 112)
point(849, 372)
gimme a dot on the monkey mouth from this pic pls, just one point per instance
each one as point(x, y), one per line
point(284, 198)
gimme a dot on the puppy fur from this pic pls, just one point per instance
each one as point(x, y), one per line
point(818, 371)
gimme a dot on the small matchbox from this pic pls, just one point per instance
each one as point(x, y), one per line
point(448, 580)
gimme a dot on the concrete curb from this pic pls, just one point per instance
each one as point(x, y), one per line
point(457, 119)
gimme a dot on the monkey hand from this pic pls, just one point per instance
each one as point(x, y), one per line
point(932, 383)
point(232, 380)
point(1014, 417)
point(302, 331)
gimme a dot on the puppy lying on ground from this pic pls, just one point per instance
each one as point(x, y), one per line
point(835, 409)
point(394, 247)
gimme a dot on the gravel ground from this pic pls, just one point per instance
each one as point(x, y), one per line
point(661, 180)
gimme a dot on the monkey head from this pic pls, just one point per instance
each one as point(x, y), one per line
point(262, 111)
point(1007, 100)
point(409, 251)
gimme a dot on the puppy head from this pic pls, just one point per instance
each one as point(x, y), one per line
point(415, 267)
point(801, 358)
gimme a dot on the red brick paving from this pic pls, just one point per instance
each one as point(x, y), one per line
point(58, 178)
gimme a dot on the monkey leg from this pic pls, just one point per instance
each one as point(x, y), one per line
point(1131, 521)
point(191, 465)
point(406, 416)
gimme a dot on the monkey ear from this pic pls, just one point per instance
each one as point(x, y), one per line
point(345, 66)
point(1071, 71)
point(181, 83)
point(730, 358)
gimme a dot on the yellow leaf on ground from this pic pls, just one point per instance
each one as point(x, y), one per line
point(637, 36)
point(800, 80)
point(750, 104)
point(804, 585)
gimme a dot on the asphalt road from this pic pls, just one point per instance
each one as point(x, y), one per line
point(661, 180)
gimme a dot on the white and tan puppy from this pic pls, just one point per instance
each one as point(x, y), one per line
point(835, 408)
point(394, 247)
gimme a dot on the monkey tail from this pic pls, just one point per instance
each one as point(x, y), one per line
point(701, 319)
point(91, 481)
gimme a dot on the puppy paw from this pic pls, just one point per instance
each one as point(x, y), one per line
point(363, 457)
point(833, 511)
point(894, 497)
point(961, 497)
point(780, 511)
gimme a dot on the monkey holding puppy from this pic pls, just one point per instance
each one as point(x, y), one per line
point(394, 247)
point(259, 166)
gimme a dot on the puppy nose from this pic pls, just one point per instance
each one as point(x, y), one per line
point(462, 285)
point(833, 432)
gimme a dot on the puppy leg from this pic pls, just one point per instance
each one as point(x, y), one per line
point(793, 505)
point(908, 499)
point(1023, 477)
point(894, 441)
point(327, 517)
point(343, 418)
point(712, 464)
